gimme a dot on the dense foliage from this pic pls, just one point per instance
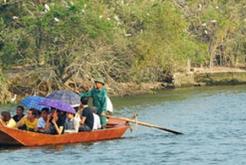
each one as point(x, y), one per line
point(123, 40)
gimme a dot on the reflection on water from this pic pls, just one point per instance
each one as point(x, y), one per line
point(213, 120)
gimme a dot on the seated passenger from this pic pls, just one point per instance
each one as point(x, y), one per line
point(7, 120)
point(44, 121)
point(97, 123)
point(28, 122)
point(19, 113)
point(72, 123)
point(87, 119)
point(57, 122)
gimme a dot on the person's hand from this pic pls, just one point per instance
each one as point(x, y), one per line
point(103, 114)
point(77, 91)
point(53, 121)
point(1, 121)
point(55, 118)
point(86, 87)
point(49, 117)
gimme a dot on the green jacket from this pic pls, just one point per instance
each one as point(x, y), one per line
point(99, 98)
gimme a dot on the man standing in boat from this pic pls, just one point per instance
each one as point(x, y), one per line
point(99, 96)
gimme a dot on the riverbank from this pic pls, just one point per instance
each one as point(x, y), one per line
point(22, 83)
point(210, 76)
point(195, 77)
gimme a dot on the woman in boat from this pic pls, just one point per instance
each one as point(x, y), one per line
point(57, 122)
point(6, 120)
point(99, 96)
point(28, 122)
point(44, 121)
point(72, 123)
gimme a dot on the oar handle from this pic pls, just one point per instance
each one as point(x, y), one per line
point(146, 124)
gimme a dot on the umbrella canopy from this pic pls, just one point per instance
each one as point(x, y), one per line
point(58, 104)
point(33, 102)
point(66, 96)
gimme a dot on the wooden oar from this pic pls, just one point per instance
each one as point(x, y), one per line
point(145, 124)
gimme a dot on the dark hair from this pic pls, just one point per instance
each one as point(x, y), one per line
point(76, 109)
point(6, 115)
point(21, 107)
point(84, 100)
point(33, 111)
point(45, 110)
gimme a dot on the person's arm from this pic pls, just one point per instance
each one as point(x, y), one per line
point(1, 122)
point(104, 101)
point(39, 125)
point(86, 94)
point(76, 124)
point(47, 123)
point(45, 128)
point(21, 122)
point(59, 129)
point(82, 120)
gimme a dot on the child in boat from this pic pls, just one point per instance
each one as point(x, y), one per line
point(44, 121)
point(86, 116)
point(57, 122)
point(7, 120)
point(28, 122)
point(72, 123)
point(19, 113)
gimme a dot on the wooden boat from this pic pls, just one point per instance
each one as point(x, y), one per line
point(12, 137)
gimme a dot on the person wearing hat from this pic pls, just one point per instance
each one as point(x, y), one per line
point(99, 96)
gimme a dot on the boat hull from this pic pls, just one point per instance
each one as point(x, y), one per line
point(9, 136)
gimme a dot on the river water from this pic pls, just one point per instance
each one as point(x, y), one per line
point(213, 120)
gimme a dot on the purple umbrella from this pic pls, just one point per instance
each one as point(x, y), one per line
point(58, 104)
point(66, 96)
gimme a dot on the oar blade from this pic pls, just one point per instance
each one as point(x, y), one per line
point(172, 131)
